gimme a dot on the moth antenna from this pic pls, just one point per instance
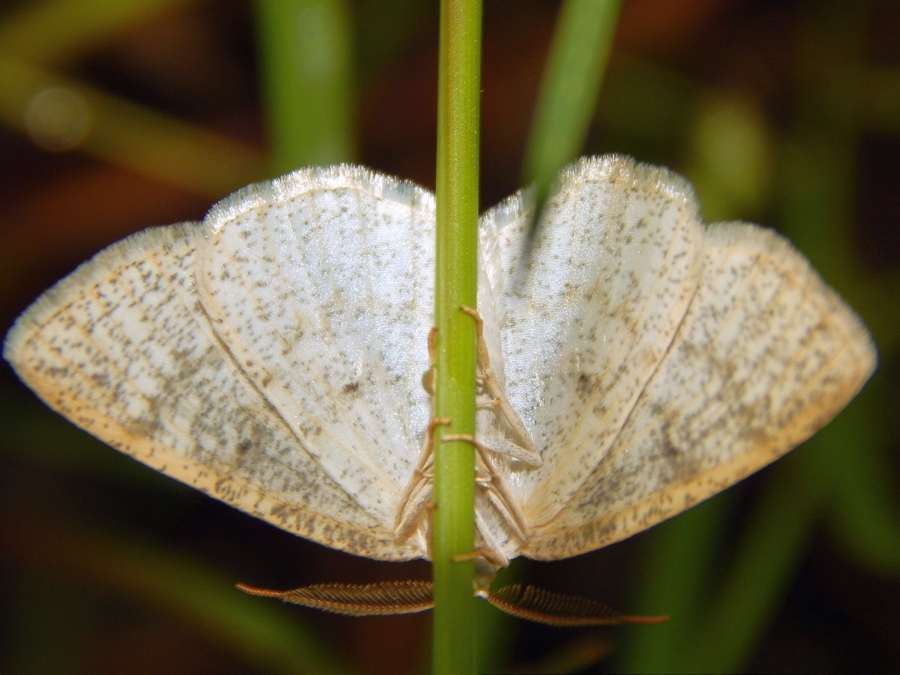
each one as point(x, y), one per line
point(388, 598)
point(559, 609)
point(379, 599)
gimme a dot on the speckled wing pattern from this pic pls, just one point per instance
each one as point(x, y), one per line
point(655, 360)
point(272, 355)
point(306, 410)
point(321, 288)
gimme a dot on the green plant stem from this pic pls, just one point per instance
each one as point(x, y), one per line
point(455, 278)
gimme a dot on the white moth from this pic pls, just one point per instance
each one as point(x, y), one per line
point(272, 356)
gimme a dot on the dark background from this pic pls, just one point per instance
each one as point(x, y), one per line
point(781, 112)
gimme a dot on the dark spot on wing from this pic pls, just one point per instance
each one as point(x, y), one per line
point(586, 383)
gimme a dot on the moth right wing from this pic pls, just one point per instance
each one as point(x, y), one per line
point(615, 262)
point(766, 355)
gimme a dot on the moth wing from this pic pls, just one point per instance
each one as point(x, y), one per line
point(766, 355)
point(502, 232)
point(613, 267)
point(320, 284)
point(123, 349)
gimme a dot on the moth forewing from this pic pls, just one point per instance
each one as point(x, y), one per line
point(765, 356)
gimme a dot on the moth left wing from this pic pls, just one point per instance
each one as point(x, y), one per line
point(123, 349)
point(319, 284)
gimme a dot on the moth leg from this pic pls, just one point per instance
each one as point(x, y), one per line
point(488, 553)
point(491, 386)
point(431, 349)
point(495, 487)
point(490, 547)
point(487, 403)
point(485, 569)
point(408, 518)
point(428, 375)
point(497, 442)
point(485, 573)
point(498, 494)
point(409, 509)
point(511, 516)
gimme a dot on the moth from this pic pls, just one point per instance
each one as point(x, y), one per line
point(633, 364)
